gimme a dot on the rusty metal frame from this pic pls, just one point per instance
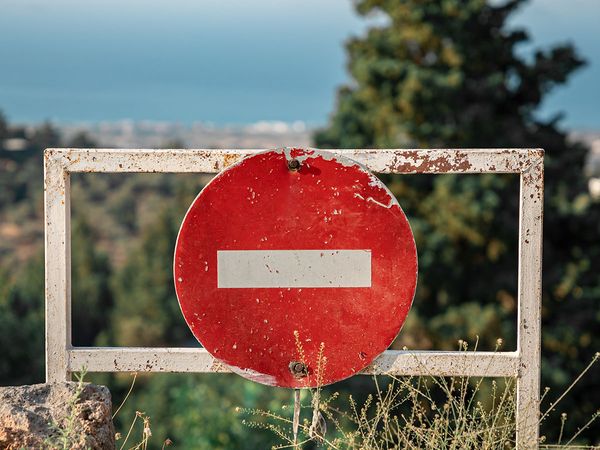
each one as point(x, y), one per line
point(524, 364)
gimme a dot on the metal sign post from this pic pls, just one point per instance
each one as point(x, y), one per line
point(524, 364)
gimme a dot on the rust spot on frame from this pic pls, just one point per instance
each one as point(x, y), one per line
point(230, 159)
point(457, 162)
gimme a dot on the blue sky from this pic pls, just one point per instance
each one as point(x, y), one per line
point(234, 61)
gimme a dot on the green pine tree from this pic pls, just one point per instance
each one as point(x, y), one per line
point(199, 411)
point(146, 310)
point(22, 320)
point(449, 74)
point(22, 323)
point(91, 297)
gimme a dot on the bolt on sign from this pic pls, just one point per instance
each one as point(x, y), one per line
point(295, 267)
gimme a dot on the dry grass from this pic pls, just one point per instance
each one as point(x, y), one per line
point(67, 434)
point(447, 413)
point(416, 413)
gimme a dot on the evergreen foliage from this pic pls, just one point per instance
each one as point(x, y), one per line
point(146, 310)
point(450, 74)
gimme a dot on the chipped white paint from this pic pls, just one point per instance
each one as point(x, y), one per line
point(524, 363)
point(293, 268)
point(379, 161)
point(372, 200)
point(392, 362)
point(531, 212)
point(255, 376)
point(326, 155)
point(58, 267)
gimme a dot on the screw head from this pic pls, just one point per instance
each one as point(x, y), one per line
point(298, 369)
point(294, 164)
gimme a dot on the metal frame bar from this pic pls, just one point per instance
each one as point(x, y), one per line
point(524, 364)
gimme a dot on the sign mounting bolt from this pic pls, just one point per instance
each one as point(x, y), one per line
point(294, 165)
point(298, 369)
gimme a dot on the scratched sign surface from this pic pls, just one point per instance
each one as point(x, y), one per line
point(295, 256)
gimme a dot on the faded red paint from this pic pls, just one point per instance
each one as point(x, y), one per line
point(259, 204)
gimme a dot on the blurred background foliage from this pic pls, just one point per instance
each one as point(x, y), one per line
point(434, 74)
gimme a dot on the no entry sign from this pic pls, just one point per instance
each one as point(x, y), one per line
point(295, 267)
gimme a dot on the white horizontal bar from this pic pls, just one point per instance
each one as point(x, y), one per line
point(198, 360)
point(293, 268)
point(441, 363)
point(143, 359)
point(512, 160)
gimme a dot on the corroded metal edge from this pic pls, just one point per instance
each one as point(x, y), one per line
point(214, 160)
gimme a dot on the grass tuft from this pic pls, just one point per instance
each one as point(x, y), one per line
point(447, 413)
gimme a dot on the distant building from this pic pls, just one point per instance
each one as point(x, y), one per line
point(593, 161)
point(593, 169)
point(15, 144)
point(594, 187)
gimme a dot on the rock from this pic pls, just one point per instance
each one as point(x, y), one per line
point(60, 415)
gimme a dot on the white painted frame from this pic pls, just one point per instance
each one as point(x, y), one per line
point(524, 364)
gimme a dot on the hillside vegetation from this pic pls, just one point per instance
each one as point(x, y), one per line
point(436, 74)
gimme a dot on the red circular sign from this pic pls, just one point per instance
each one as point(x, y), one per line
point(295, 267)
